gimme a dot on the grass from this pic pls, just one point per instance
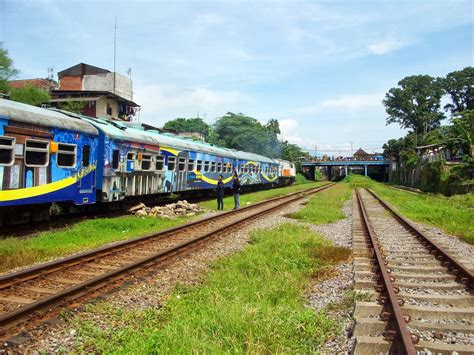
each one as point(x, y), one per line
point(454, 214)
point(248, 303)
point(17, 252)
point(254, 197)
point(325, 206)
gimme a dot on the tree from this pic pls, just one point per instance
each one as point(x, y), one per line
point(415, 104)
point(274, 126)
point(29, 94)
point(242, 132)
point(72, 106)
point(294, 153)
point(459, 85)
point(7, 71)
point(188, 124)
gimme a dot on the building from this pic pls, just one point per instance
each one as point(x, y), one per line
point(43, 84)
point(102, 93)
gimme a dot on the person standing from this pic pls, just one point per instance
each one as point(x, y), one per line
point(220, 194)
point(236, 189)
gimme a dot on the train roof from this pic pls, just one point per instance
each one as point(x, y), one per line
point(19, 112)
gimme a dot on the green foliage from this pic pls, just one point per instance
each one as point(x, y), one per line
point(242, 132)
point(452, 214)
point(72, 106)
point(459, 85)
point(300, 179)
point(415, 104)
point(188, 124)
point(294, 153)
point(248, 303)
point(30, 95)
point(7, 71)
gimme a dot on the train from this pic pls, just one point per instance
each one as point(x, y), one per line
point(54, 160)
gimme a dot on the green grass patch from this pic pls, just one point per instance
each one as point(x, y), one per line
point(250, 198)
point(15, 252)
point(300, 179)
point(325, 206)
point(454, 214)
point(248, 303)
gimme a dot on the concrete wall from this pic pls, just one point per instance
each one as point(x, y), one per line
point(101, 107)
point(105, 82)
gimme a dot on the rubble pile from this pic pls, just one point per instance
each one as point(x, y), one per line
point(171, 211)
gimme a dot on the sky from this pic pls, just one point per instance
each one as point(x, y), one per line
point(322, 68)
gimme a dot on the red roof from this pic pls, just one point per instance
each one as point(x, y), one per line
point(37, 83)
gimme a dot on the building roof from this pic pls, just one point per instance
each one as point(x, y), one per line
point(79, 95)
point(82, 69)
point(360, 151)
point(39, 83)
point(19, 112)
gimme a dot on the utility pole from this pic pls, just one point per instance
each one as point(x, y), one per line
point(115, 47)
point(351, 148)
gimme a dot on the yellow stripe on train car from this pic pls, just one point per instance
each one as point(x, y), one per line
point(170, 150)
point(17, 194)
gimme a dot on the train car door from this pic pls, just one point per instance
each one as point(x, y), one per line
point(87, 182)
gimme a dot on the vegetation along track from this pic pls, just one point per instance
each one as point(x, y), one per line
point(424, 293)
point(32, 295)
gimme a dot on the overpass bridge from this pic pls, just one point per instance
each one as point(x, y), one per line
point(309, 168)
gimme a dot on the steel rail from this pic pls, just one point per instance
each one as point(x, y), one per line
point(96, 282)
point(406, 343)
point(55, 265)
point(462, 273)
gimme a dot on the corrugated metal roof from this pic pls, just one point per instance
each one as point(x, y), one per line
point(19, 112)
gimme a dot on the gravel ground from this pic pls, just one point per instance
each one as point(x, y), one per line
point(150, 292)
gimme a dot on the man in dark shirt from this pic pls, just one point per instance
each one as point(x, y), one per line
point(220, 194)
point(236, 189)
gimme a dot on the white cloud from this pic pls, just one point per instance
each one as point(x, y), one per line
point(289, 131)
point(386, 46)
point(354, 102)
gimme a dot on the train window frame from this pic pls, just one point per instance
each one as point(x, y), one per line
point(181, 164)
point(115, 159)
point(10, 148)
point(130, 156)
point(36, 150)
point(213, 166)
point(160, 159)
point(171, 161)
point(190, 165)
point(207, 164)
point(198, 165)
point(86, 157)
point(224, 168)
point(219, 167)
point(146, 158)
point(67, 152)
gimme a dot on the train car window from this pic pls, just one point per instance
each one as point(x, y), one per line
point(182, 164)
point(190, 164)
point(66, 155)
point(86, 155)
point(130, 156)
point(213, 167)
point(160, 162)
point(199, 165)
point(219, 167)
point(171, 163)
point(7, 152)
point(206, 166)
point(36, 153)
point(224, 169)
point(146, 162)
point(115, 159)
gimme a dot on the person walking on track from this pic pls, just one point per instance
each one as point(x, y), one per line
point(220, 194)
point(236, 189)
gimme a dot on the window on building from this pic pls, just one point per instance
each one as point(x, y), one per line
point(86, 155)
point(198, 165)
point(182, 164)
point(160, 162)
point(36, 153)
point(109, 109)
point(190, 164)
point(7, 151)
point(66, 157)
point(115, 159)
point(213, 167)
point(146, 162)
point(171, 163)
point(206, 166)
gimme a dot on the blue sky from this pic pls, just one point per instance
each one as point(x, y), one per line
point(321, 68)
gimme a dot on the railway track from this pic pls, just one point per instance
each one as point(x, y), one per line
point(420, 291)
point(33, 295)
